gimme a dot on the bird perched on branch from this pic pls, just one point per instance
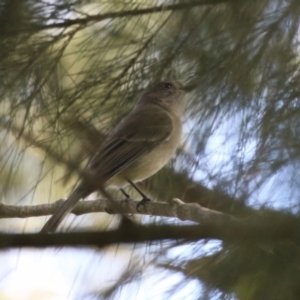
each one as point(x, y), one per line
point(140, 145)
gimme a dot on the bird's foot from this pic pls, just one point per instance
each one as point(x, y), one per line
point(143, 202)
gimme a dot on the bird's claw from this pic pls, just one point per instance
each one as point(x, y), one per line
point(142, 203)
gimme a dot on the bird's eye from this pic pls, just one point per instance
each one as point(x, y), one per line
point(167, 85)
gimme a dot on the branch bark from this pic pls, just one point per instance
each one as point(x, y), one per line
point(134, 234)
point(256, 231)
point(264, 230)
point(176, 209)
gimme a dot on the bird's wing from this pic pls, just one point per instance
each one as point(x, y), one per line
point(138, 134)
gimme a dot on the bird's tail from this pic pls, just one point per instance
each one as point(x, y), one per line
point(64, 209)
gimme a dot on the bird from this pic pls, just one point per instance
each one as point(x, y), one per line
point(139, 146)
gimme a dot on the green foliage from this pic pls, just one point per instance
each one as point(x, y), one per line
point(69, 70)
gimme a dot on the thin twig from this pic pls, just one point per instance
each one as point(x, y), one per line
point(128, 13)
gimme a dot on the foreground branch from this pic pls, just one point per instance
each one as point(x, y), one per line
point(258, 232)
point(261, 229)
point(134, 234)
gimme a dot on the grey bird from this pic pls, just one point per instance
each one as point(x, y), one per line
point(140, 145)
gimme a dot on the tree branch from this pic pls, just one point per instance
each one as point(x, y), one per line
point(136, 234)
point(214, 225)
point(176, 209)
point(257, 231)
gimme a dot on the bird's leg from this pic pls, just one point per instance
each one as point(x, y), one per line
point(145, 198)
point(127, 197)
point(125, 194)
point(139, 190)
